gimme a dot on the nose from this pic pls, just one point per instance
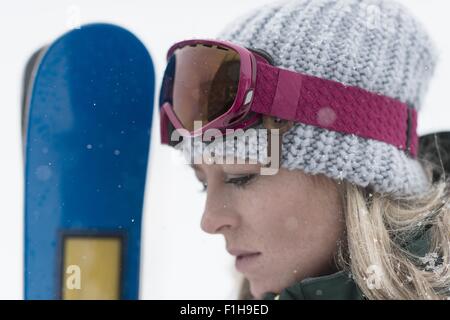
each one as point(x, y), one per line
point(219, 214)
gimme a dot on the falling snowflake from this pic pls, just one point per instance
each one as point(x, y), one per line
point(43, 173)
point(326, 116)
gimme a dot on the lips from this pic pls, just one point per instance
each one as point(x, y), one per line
point(245, 260)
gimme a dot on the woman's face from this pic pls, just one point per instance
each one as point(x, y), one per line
point(282, 228)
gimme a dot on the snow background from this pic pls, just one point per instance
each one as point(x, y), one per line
point(179, 261)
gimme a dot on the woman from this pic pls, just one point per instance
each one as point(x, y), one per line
point(354, 211)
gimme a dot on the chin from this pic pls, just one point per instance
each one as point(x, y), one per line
point(264, 285)
point(258, 289)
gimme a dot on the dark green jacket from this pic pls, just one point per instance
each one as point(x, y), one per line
point(339, 285)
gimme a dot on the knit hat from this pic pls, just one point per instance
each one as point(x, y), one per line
point(376, 45)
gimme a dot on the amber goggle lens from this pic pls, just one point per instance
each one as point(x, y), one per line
point(201, 82)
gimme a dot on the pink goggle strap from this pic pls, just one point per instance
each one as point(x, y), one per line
point(331, 105)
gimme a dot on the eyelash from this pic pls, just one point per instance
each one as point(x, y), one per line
point(237, 182)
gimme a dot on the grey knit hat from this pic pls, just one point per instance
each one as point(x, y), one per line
point(376, 45)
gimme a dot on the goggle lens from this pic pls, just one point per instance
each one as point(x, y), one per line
point(201, 83)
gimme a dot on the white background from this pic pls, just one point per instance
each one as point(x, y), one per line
point(179, 260)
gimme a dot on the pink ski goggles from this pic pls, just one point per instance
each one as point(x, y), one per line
point(227, 86)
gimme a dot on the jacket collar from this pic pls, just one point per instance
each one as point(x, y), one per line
point(336, 286)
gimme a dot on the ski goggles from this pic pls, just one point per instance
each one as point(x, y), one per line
point(214, 84)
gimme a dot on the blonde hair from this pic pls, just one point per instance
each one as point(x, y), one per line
point(377, 228)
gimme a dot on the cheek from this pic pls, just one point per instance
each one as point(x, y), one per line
point(297, 229)
point(303, 224)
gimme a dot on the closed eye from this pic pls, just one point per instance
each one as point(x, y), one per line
point(239, 182)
